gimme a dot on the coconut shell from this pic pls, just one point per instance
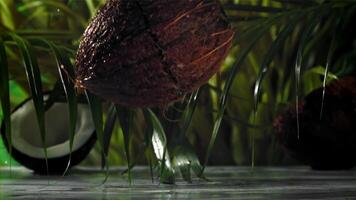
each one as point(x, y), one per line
point(152, 52)
point(56, 165)
point(326, 143)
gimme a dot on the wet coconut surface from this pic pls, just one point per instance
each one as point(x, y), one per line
point(326, 142)
point(152, 52)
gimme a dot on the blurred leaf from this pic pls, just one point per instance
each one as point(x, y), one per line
point(253, 8)
point(91, 7)
point(6, 16)
point(5, 94)
point(298, 2)
point(55, 5)
point(47, 34)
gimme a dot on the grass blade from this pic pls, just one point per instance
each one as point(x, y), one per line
point(96, 109)
point(274, 48)
point(269, 57)
point(329, 58)
point(184, 157)
point(66, 72)
point(224, 95)
point(34, 79)
point(188, 113)
point(298, 62)
point(125, 116)
point(148, 140)
point(65, 66)
point(108, 130)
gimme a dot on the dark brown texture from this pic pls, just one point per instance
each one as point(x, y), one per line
point(152, 52)
point(327, 142)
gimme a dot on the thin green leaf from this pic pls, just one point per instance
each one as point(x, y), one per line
point(188, 113)
point(5, 94)
point(329, 58)
point(298, 62)
point(224, 95)
point(125, 116)
point(34, 79)
point(148, 140)
point(96, 109)
point(159, 143)
point(320, 70)
point(185, 159)
point(66, 72)
point(274, 48)
point(108, 130)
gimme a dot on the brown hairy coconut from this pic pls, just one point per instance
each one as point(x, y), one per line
point(152, 52)
point(329, 142)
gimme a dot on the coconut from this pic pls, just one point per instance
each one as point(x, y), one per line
point(326, 142)
point(152, 52)
point(27, 148)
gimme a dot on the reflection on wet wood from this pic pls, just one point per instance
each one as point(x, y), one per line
point(224, 183)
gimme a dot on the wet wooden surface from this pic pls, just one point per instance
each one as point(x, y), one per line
point(224, 183)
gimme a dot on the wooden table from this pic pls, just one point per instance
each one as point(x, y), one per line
point(225, 183)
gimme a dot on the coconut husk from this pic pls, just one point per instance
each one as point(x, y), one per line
point(152, 52)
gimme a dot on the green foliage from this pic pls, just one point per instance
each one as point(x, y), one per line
point(281, 52)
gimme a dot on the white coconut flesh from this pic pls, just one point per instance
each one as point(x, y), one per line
point(26, 136)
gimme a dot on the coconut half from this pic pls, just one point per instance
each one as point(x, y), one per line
point(27, 146)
